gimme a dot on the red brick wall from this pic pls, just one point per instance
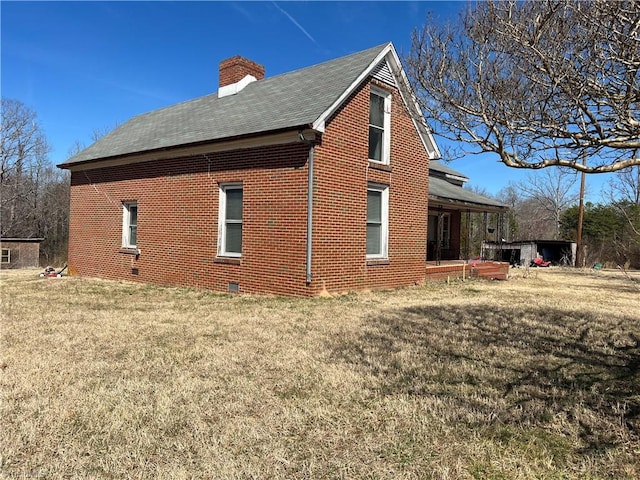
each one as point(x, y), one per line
point(177, 220)
point(342, 172)
point(178, 213)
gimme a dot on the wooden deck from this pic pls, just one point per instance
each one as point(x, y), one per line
point(450, 269)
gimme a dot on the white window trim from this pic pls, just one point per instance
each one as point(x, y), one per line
point(8, 255)
point(126, 223)
point(386, 134)
point(222, 219)
point(384, 231)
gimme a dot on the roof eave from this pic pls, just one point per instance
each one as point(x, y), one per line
point(413, 106)
point(276, 137)
point(458, 178)
point(437, 201)
point(22, 239)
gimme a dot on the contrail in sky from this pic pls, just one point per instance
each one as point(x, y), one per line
point(293, 20)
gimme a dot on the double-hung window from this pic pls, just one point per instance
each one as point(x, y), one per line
point(377, 221)
point(129, 224)
point(6, 256)
point(379, 125)
point(230, 221)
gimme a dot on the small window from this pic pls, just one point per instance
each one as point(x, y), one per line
point(379, 125)
point(377, 221)
point(6, 256)
point(129, 224)
point(230, 221)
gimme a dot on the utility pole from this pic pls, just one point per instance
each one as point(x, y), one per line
point(579, 254)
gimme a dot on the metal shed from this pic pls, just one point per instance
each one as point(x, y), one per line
point(558, 252)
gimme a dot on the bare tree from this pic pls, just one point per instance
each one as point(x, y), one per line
point(539, 83)
point(511, 196)
point(623, 194)
point(34, 195)
point(551, 192)
point(539, 201)
point(23, 156)
point(625, 186)
point(52, 215)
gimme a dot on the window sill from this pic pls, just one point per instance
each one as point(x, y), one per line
point(227, 260)
point(129, 251)
point(379, 166)
point(372, 262)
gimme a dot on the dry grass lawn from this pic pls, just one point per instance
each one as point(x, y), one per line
point(536, 377)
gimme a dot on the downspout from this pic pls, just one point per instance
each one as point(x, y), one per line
point(311, 142)
point(310, 212)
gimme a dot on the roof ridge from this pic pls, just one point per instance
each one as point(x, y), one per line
point(326, 62)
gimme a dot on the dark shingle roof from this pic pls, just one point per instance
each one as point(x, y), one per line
point(289, 100)
point(438, 166)
point(445, 192)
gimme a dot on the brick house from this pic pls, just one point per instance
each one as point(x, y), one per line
point(310, 181)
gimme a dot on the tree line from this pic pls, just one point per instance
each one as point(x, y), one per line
point(544, 206)
point(34, 194)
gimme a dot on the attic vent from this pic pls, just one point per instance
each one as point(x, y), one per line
point(383, 73)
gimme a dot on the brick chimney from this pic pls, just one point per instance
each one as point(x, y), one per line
point(234, 69)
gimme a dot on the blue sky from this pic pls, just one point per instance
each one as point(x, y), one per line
point(87, 66)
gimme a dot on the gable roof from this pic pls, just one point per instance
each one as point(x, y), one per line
point(443, 193)
point(304, 98)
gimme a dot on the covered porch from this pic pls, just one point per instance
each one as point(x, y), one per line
point(451, 209)
point(458, 219)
